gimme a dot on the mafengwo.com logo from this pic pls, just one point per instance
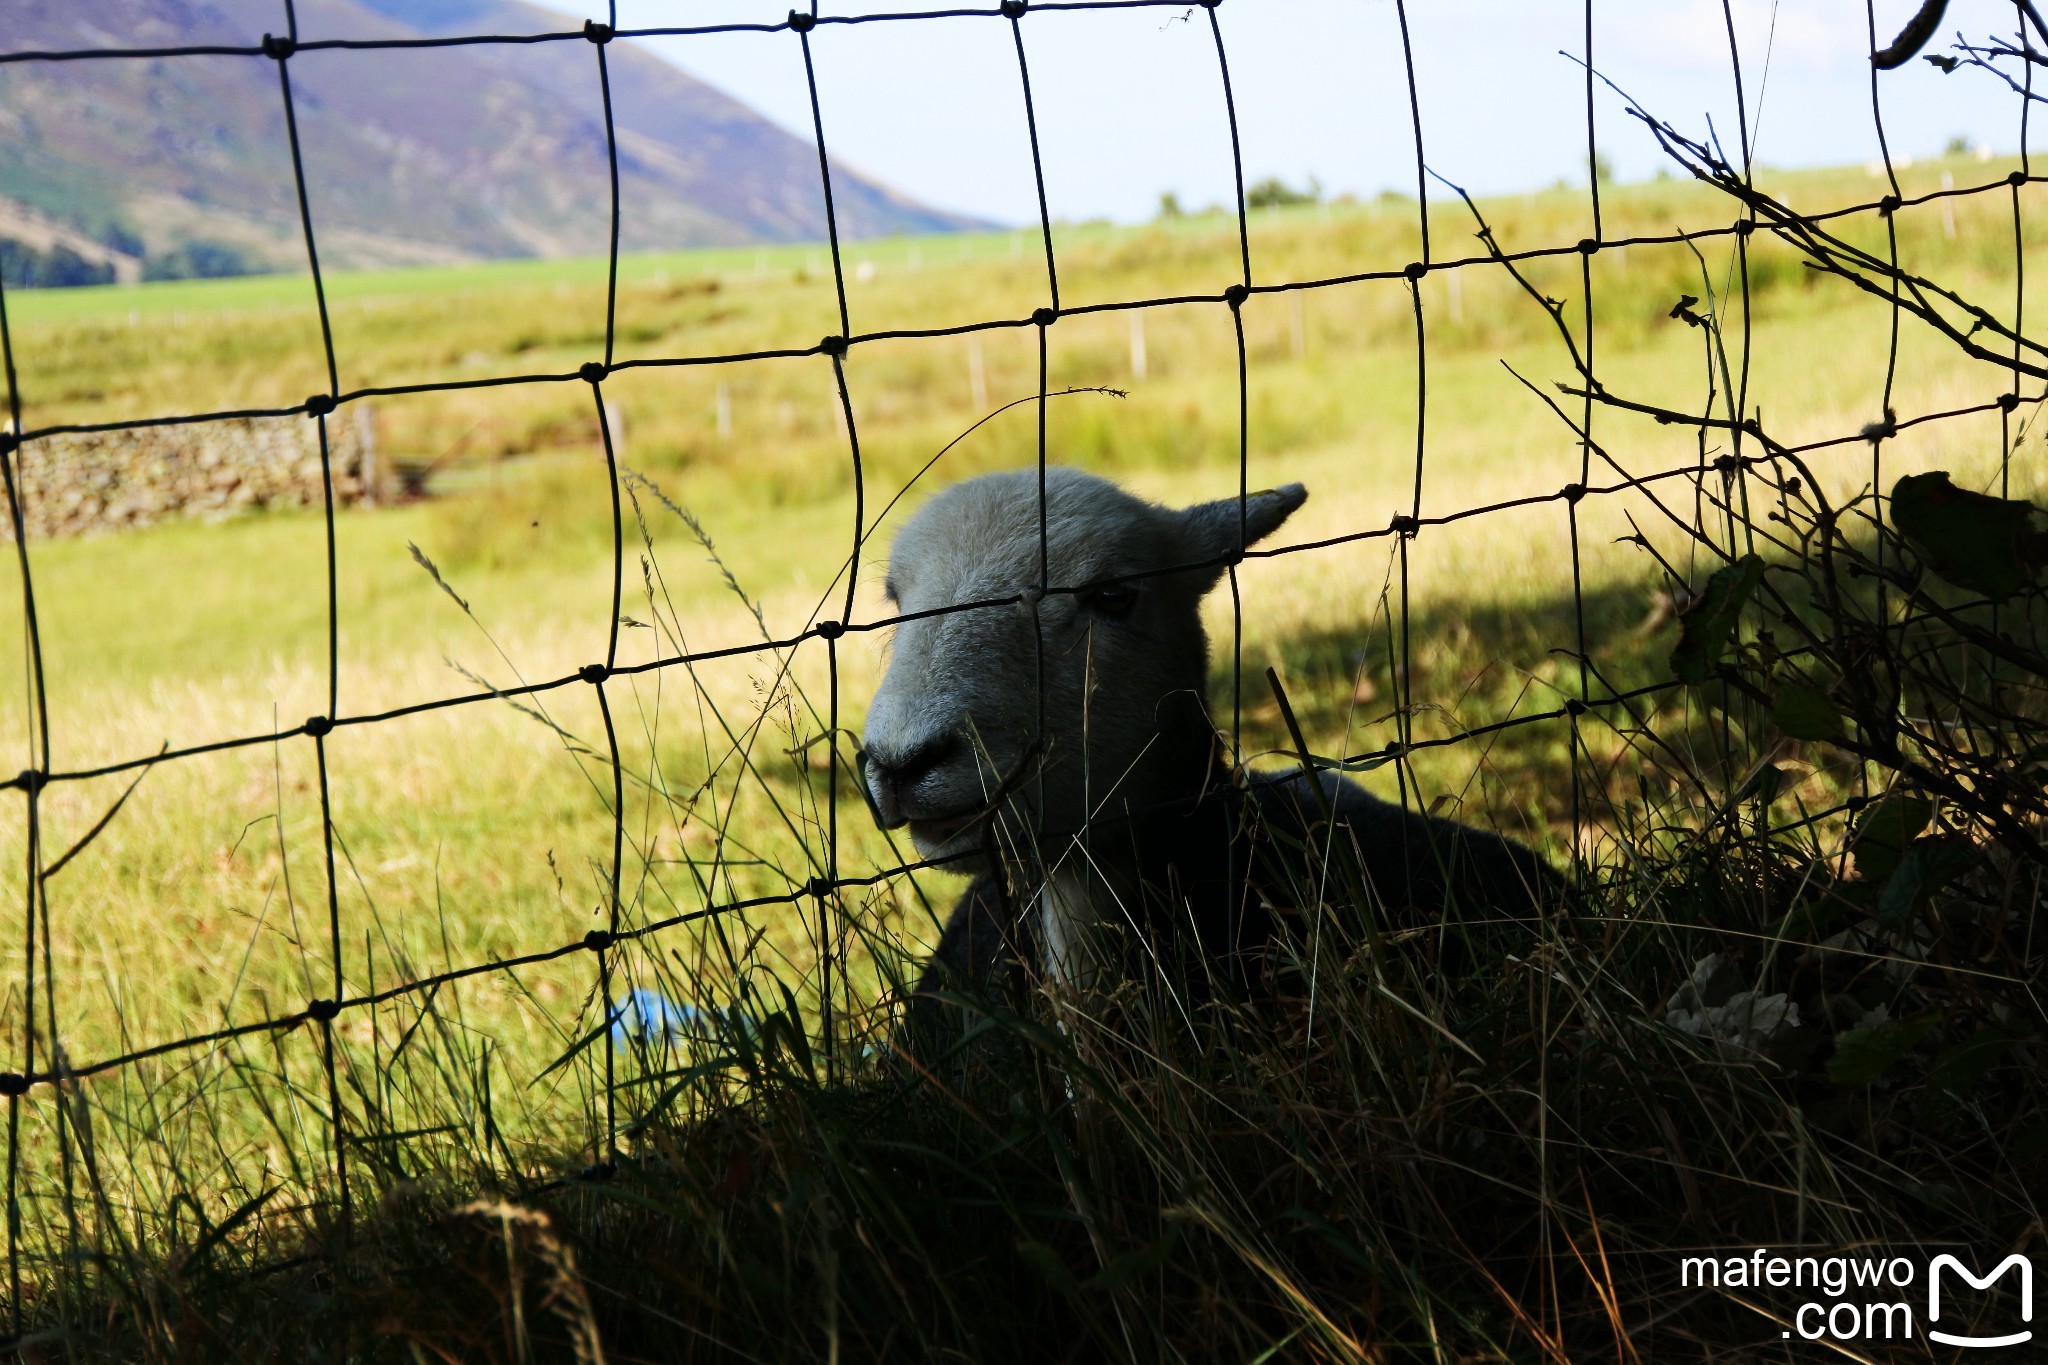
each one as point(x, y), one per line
point(1878, 1299)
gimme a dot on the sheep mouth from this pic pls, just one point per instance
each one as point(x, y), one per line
point(937, 831)
point(943, 830)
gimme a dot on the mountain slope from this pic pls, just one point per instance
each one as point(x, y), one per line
point(412, 156)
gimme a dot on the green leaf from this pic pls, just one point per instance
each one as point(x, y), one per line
point(1926, 867)
point(1813, 920)
point(1962, 1066)
point(1707, 626)
point(1049, 1266)
point(1134, 1264)
point(1864, 1054)
point(1803, 711)
point(1884, 832)
point(1764, 784)
point(1314, 1222)
point(1971, 539)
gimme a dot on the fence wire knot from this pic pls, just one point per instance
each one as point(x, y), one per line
point(1014, 9)
point(597, 940)
point(829, 630)
point(801, 22)
point(593, 673)
point(596, 32)
point(833, 345)
point(318, 726)
point(13, 1083)
point(593, 371)
point(276, 48)
point(323, 1009)
point(319, 405)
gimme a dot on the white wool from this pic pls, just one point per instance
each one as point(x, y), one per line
point(1010, 728)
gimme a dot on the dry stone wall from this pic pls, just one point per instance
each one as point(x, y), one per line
point(77, 483)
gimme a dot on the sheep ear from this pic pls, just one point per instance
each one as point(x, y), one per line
point(1211, 530)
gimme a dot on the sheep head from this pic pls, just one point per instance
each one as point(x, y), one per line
point(998, 727)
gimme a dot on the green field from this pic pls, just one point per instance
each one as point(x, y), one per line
point(194, 633)
point(485, 830)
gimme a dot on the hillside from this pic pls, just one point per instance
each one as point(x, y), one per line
point(180, 166)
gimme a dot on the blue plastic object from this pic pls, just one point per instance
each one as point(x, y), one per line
point(647, 1016)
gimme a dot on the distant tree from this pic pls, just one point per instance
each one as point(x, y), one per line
point(1959, 145)
point(23, 266)
point(1275, 193)
point(200, 260)
point(118, 235)
point(1169, 206)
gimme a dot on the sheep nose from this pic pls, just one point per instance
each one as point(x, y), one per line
point(893, 773)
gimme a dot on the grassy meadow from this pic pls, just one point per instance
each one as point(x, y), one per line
point(485, 830)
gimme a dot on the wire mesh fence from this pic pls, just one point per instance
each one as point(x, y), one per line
point(1717, 504)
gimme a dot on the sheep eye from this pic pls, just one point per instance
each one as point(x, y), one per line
point(1113, 600)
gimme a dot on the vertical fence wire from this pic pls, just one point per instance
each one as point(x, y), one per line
point(1888, 209)
point(1582, 765)
point(1042, 320)
point(1236, 296)
point(1407, 524)
point(835, 348)
point(38, 762)
point(281, 51)
point(600, 37)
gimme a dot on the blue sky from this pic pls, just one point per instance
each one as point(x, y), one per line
point(1130, 102)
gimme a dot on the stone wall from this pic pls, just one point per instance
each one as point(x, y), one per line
point(78, 483)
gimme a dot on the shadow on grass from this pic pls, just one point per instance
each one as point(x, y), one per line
point(1718, 1047)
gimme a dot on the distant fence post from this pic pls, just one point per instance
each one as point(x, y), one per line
point(615, 419)
point(977, 375)
point(366, 447)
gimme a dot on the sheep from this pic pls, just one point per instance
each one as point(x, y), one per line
point(1059, 744)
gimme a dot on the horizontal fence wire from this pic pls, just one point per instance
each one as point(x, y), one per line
point(42, 1064)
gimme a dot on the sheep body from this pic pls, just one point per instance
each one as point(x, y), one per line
point(1059, 737)
point(1211, 878)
